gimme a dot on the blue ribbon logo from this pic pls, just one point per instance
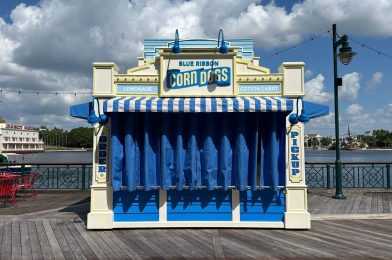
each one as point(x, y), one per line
point(176, 79)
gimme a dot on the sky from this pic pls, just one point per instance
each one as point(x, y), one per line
point(48, 46)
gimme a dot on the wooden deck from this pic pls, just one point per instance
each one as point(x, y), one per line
point(366, 202)
point(66, 239)
point(57, 232)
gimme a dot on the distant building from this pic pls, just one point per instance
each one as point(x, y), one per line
point(19, 139)
point(312, 136)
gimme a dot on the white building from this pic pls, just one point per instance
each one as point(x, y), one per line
point(311, 136)
point(19, 139)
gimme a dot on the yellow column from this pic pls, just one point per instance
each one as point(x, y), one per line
point(296, 214)
point(101, 213)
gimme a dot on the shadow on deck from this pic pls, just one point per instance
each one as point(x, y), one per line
point(52, 225)
point(320, 202)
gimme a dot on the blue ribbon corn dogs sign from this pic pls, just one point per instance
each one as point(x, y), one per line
point(198, 77)
point(176, 79)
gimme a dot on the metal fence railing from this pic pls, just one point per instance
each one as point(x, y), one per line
point(318, 175)
point(354, 175)
point(56, 176)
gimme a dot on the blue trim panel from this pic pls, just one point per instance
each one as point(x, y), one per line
point(136, 206)
point(151, 51)
point(199, 205)
point(137, 217)
point(262, 205)
point(258, 88)
point(137, 89)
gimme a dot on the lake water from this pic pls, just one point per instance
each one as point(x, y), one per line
point(310, 156)
point(54, 157)
point(350, 156)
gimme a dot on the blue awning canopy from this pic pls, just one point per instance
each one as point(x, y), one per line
point(203, 104)
point(229, 104)
point(314, 110)
point(80, 110)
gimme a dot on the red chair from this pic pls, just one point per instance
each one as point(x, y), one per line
point(6, 172)
point(8, 189)
point(26, 183)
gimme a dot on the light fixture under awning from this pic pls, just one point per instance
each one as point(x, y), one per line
point(192, 105)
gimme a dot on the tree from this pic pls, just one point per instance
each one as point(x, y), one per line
point(81, 137)
point(313, 142)
point(369, 140)
point(382, 137)
point(326, 141)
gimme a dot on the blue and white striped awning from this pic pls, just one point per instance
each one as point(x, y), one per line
point(235, 104)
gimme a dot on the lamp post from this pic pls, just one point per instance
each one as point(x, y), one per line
point(345, 56)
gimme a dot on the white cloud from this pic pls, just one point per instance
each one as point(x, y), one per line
point(351, 86)
point(358, 120)
point(384, 116)
point(323, 125)
point(355, 116)
point(308, 17)
point(51, 46)
point(388, 110)
point(55, 30)
point(359, 123)
point(354, 109)
point(374, 82)
point(315, 90)
point(308, 73)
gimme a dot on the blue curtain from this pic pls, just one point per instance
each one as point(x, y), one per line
point(197, 149)
point(135, 157)
point(272, 150)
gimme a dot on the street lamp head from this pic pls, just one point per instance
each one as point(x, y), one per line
point(345, 53)
point(176, 46)
point(222, 47)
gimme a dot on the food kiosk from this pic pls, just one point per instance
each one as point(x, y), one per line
point(198, 134)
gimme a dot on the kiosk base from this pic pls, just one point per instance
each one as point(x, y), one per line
point(100, 220)
point(296, 215)
point(297, 220)
point(196, 224)
point(193, 209)
point(101, 215)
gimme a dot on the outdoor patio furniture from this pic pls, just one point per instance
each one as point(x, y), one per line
point(26, 183)
point(5, 172)
point(8, 189)
point(10, 176)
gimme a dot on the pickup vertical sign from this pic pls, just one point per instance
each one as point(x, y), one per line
point(295, 154)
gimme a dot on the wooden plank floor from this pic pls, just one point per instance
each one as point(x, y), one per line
point(58, 231)
point(45, 201)
point(66, 239)
point(319, 202)
point(356, 203)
